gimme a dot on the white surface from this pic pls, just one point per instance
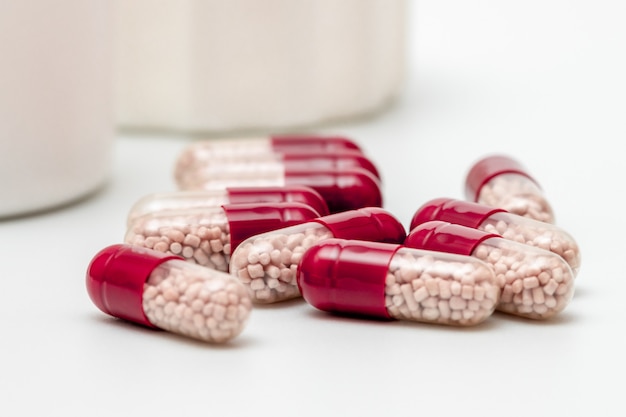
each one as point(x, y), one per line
point(540, 80)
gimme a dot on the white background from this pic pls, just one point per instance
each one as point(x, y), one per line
point(542, 81)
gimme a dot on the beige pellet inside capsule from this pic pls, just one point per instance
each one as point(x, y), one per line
point(203, 239)
point(195, 302)
point(425, 288)
point(267, 263)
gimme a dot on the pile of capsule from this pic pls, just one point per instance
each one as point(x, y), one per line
point(261, 221)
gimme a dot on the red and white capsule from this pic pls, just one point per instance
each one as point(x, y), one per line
point(501, 181)
point(342, 189)
point(201, 152)
point(535, 283)
point(266, 263)
point(163, 291)
point(208, 236)
point(268, 165)
point(389, 281)
point(204, 199)
point(508, 225)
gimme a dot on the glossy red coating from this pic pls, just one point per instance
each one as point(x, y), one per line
point(116, 276)
point(287, 194)
point(487, 168)
point(450, 210)
point(446, 237)
point(346, 276)
point(246, 220)
point(283, 143)
point(313, 161)
point(370, 223)
point(343, 189)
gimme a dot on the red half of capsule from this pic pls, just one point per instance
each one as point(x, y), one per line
point(306, 143)
point(370, 223)
point(346, 276)
point(246, 220)
point(315, 161)
point(116, 276)
point(446, 237)
point(487, 168)
point(462, 212)
point(287, 194)
point(343, 189)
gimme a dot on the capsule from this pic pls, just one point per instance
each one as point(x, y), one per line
point(390, 281)
point(508, 225)
point(184, 200)
point(500, 181)
point(193, 176)
point(163, 291)
point(342, 189)
point(266, 263)
point(535, 283)
point(208, 236)
point(200, 153)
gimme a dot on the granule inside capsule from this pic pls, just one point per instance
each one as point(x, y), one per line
point(544, 238)
point(518, 195)
point(267, 264)
point(195, 303)
point(203, 239)
point(535, 284)
point(423, 288)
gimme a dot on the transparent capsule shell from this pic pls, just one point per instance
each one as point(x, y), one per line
point(500, 181)
point(391, 281)
point(208, 236)
point(200, 236)
point(160, 291)
point(200, 153)
point(535, 283)
point(508, 225)
point(267, 263)
point(177, 201)
point(341, 189)
point(269, 165)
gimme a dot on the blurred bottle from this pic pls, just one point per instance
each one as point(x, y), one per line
point(222, 66)
point(56, 97)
